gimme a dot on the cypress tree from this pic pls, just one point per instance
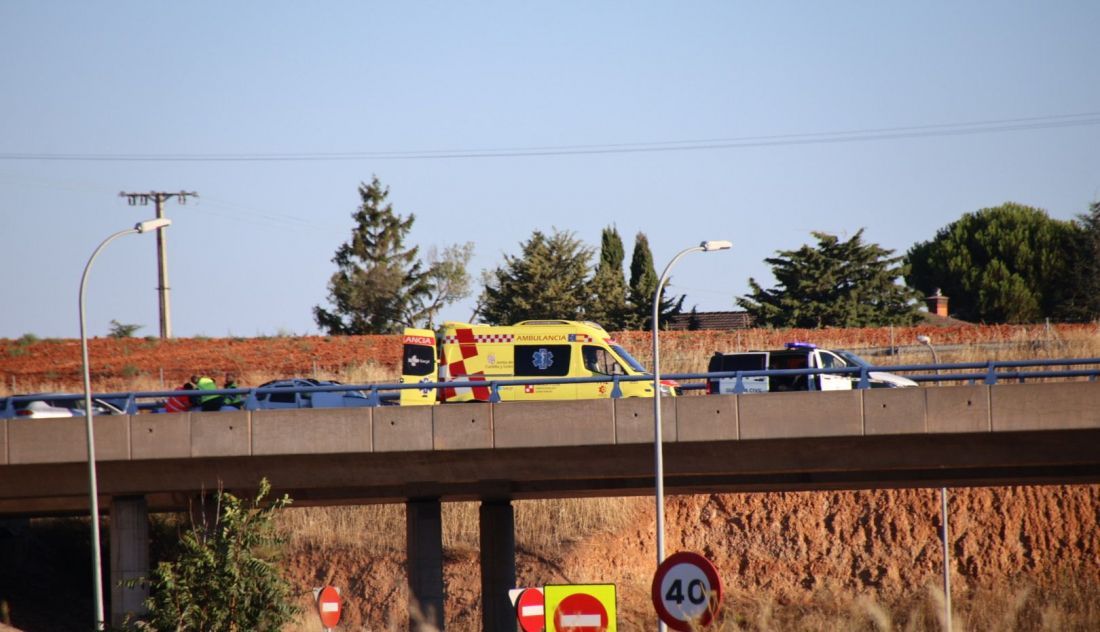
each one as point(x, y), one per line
point(609, 291)
point(643, 284)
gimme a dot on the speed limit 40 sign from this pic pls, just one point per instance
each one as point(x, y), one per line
point(686, 591)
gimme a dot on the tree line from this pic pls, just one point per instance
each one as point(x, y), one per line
point(1006, 264)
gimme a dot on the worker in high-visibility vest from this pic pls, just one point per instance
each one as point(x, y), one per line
point(208, 402)
point(232, 399)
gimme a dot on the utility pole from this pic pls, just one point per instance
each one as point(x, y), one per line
point(158, 198)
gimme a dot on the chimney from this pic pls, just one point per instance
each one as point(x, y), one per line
point(937, 304)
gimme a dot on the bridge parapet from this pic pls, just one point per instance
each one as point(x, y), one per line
point(958, 435)
point(956, 409)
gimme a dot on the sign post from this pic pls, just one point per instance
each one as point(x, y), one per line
point(328, 606)
point(687, 591)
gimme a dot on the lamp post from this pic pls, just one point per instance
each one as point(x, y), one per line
point(658, 454)
point(93, 492)
point(927, 341)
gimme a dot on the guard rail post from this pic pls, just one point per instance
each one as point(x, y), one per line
point(373, 400)
point(616, 392)
point(739, 384)
point(990, 372)
point(864, 381)
point(494, 393)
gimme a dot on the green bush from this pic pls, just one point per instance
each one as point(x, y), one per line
point(225, 576)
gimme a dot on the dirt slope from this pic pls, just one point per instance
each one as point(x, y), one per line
point(783, 547)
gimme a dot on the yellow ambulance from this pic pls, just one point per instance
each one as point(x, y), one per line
point(536, 349)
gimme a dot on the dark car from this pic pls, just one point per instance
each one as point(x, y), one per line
point(314, 399)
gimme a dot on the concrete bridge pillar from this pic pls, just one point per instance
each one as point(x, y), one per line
point(129, 555)
point(424, 565)
point(498, 565)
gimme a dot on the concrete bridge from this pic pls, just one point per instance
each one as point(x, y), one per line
point(421, 456)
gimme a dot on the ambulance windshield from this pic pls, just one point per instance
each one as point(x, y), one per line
point(629, 359)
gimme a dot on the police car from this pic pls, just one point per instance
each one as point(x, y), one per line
point(796, 355)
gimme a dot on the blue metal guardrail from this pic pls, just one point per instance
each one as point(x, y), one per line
point(990, 372)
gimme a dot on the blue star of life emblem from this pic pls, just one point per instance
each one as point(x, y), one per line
point(543, 359)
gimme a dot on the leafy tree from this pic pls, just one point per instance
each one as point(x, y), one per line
point(122, 330)
point(833, 284)
point(1011, 263)
point(643, 284)
point(225, 576)
point(380, 285)
point(448, 278)
point(549, 280)
point(608, 303)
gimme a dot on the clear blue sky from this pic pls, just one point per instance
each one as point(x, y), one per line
point(108, 82)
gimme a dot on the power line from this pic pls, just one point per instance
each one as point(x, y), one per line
point(809, 138)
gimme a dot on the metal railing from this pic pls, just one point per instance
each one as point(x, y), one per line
point(372, 395)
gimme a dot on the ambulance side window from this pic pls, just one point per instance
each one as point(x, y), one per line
point(598, 360)
point(542, 360)
point(418, 360)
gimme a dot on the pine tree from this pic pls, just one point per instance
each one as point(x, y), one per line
point(643, 284)
point(609, 290)
point(1083, 302)
point(835, 284)
point(549, 280)
point(1011, 263)
point(379, 286)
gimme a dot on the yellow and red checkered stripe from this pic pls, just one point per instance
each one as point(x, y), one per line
point(460, 368)
point(477, 338)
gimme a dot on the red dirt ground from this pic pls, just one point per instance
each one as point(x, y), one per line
point(58, 361)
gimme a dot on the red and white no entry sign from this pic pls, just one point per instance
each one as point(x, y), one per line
point(580, 612)
point(686, 591)
point(530, 610)
point(328, 606)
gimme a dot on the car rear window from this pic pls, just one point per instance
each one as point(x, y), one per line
point(737, 362)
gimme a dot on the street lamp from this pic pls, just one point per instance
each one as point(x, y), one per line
point(93, 492)
point(658, 455)
point(927, 341)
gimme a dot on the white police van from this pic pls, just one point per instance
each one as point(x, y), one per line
point(796, 355)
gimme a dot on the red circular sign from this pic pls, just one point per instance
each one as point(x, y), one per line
point(328, 605)
point(531, 610)
point(686, 591)
point(580, 612)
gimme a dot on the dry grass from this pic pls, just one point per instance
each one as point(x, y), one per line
point(541, 525)
point(688, 352)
